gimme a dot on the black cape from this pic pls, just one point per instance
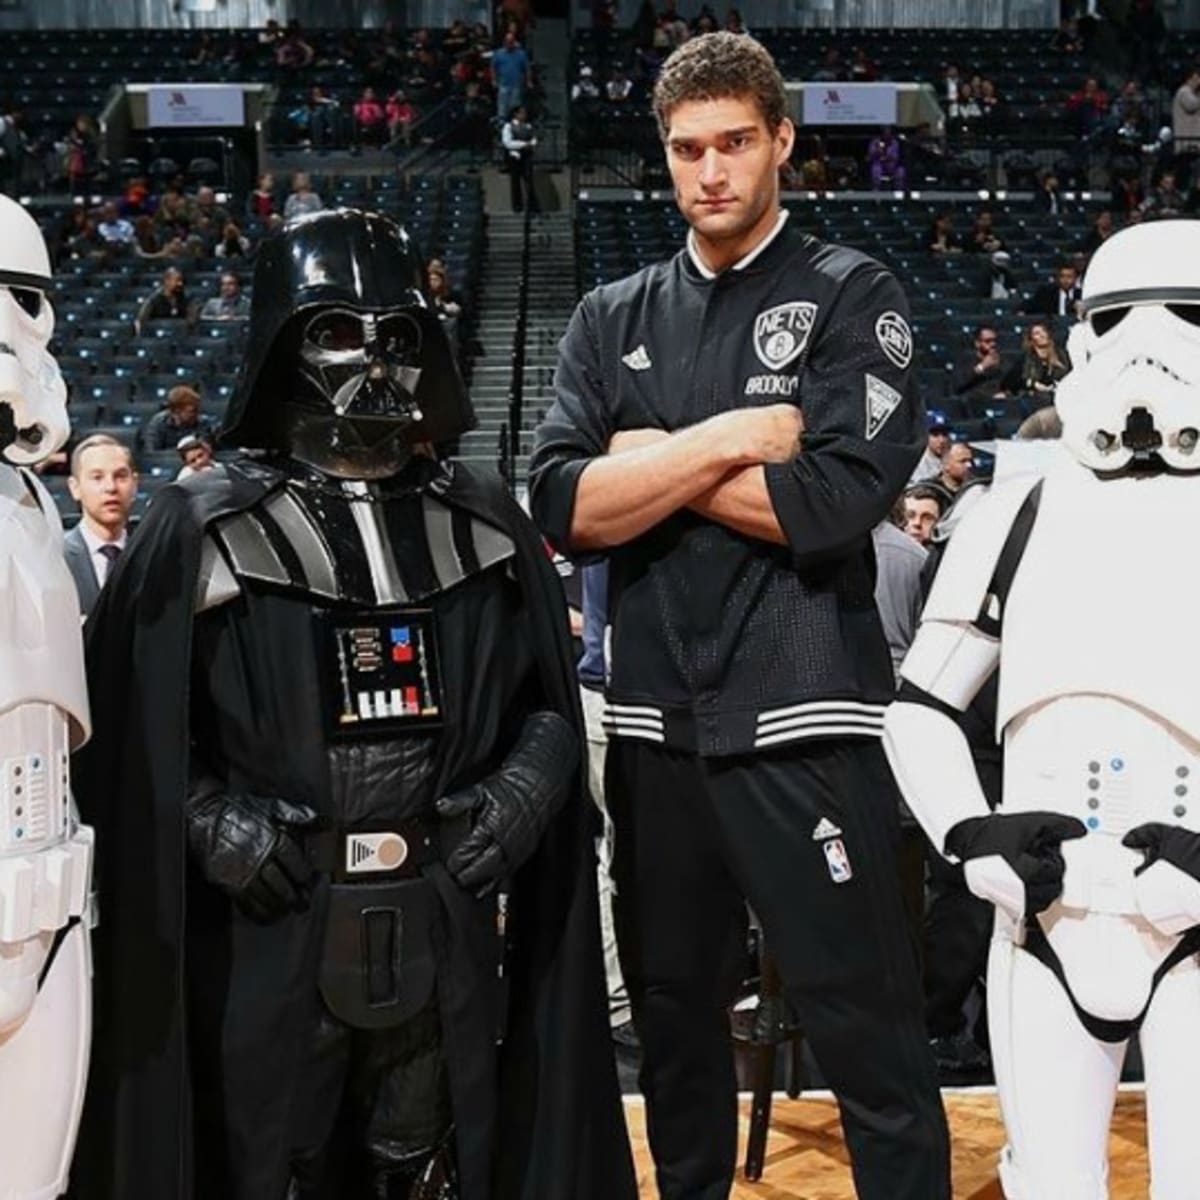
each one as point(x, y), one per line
point(538, 1120)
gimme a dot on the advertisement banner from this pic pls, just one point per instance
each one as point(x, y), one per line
point(180, 105)
point(849, 104)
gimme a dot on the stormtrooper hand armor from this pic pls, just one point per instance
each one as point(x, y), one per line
point(1014, 860)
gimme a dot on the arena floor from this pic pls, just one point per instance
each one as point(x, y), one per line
point(806, 1159)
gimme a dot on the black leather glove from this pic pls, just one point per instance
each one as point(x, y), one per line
point(512, 807)
point(1030, 842)
point(1172, 843)
point(245, 846)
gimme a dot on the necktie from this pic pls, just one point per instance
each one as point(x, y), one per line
point(111, 552)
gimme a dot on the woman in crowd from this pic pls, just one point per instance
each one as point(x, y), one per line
point(1041, 365)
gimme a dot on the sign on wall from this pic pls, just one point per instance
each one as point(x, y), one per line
point(180, 105)
point(849, 104)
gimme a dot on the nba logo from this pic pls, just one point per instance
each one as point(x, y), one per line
point(837, 860)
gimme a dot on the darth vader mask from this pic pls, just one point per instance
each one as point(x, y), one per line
point(349, 368)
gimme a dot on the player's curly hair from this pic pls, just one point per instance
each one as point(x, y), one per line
point(717, 66)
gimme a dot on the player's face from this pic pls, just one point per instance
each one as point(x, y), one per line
point(724, 163)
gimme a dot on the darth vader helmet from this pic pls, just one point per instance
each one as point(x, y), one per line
point(33, 397)
point(348, 367)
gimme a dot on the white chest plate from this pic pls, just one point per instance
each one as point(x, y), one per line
point(41, 639)
point(1104, 601)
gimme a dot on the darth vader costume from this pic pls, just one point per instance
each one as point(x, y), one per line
point(351, 942)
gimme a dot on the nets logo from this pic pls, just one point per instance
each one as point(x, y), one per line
point(781, 333)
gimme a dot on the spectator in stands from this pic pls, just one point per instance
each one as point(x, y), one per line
point(1127, 193)
point(147, 243)
point(1103, 227)
point(734, 22)
point(510, 74)
point(831, 69)
point(115, 229)
point(14, 149)
point(519, 139)
point(1041, 365)
point(899, 561)
point(446, 302)
point(999, 282)
point(862, 68)
point(262, 201)
point(370, 120)
point(936, 443)
point(619, 87)
point(924, 504)
point(205, 213)
point(103, 481)
point(957, 465)
point(234, 243)
point(963, 112)
point(584, 87)
point(1059, 298)
point(942, 237)
point(991, 106)
point(196, 452)
point(319, 119)
point(1066, 40)
point(180, 416)
point(1165, 199)
point(173, 215)
point(1185, 116)
point(82, 151)
point(983, 237)
point(293, 53)
point(137, 200)
point(229, 304)
point(884, 163)
point(168, 303)
point(1088, 107)
point(456, 40)
point(400, 116)
point(303, 199)
point(980, 372)
point(950, 82)
point(1048, 197)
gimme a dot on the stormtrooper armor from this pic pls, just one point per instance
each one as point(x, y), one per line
point(45, 855)
point(1076, 587)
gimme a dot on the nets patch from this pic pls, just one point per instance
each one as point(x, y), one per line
point(781, 333)
point(882, 401)
point(895, 338)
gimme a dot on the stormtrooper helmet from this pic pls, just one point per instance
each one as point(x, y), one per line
point(1132, 399)
point(33, 397)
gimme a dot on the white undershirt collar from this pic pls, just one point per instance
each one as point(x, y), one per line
point(741, 263)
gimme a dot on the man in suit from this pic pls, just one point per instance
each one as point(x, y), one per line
point(104, 481)
point(1060, 298)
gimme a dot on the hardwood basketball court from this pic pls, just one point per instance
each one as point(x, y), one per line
point(806, 1158)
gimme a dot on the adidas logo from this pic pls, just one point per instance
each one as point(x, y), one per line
point(637, 360)
point(825, 829)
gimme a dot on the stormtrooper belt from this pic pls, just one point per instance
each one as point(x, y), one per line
point(1103, 1029)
